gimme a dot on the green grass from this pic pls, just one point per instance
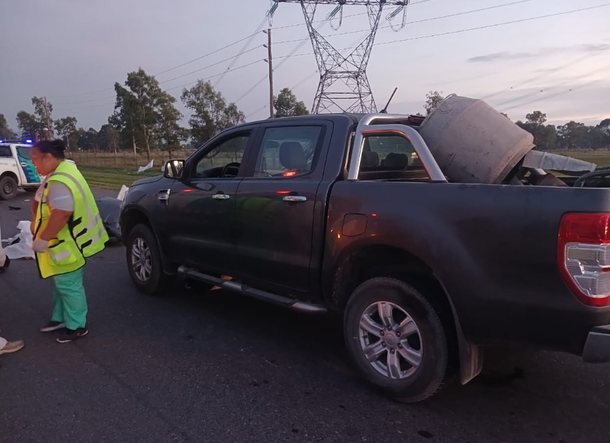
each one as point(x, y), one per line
point(111, 178)
point(600, 158)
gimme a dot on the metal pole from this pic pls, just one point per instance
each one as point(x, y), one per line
point(270, 58)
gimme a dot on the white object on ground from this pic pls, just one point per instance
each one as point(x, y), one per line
point(23, 249)
point(122, 193)
point(147, 167)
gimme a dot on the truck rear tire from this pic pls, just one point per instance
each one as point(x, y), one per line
point(396, 339)
point(8, 188)
point(144, 262)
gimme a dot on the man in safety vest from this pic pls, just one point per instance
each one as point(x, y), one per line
point(67, 230)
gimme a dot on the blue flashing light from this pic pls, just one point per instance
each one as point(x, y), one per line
point(1, 141)
point(28, 141)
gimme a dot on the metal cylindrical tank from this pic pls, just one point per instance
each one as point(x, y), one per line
point(472, 142)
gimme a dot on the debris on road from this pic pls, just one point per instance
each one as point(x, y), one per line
point(110, 211)
point(20, 246)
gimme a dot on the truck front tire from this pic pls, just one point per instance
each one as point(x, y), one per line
point(396, 339)
point(8, 188)
point(144, 262)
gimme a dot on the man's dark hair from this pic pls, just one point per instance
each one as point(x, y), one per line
point(56, 148)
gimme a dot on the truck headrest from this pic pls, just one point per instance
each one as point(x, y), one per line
point(292, 156)
point(396, 161)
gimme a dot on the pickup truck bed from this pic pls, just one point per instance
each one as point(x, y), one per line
point(494, 248)
point(352, 213)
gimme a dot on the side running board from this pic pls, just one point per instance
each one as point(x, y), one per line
point(268, 297)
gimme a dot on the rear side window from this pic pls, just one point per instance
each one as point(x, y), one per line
point(288, 151)
point(25, 152)
point(5, 151)
point(390, 157)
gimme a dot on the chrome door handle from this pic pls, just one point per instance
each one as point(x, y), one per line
point(295, 198)
point(163, 195)
point(221, 196)
point(24, 164)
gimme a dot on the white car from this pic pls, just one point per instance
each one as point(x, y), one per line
point(16, 169)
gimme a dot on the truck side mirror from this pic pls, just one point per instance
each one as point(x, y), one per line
point(173, 169)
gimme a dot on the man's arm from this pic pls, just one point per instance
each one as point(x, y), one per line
point(57, 221)
point(61, 204)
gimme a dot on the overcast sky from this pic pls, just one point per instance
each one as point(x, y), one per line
point(73, 51)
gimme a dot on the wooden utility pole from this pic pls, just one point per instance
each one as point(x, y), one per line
point(47, 120)
point(270, 59)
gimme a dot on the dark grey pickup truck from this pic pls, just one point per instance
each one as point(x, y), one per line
point(352, 213)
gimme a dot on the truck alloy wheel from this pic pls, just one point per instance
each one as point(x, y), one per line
point(8, 188)
point(390, 340)
point(141, 260)
point(396, 339)
point(144, 262)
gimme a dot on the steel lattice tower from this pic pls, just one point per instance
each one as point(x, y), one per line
point(344, 85)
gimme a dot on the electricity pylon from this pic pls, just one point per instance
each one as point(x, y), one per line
point(344, 86)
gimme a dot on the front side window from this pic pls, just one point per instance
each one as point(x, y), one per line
point(288, 151)
point(390, 157)
point(5, 151)
point(224, 160)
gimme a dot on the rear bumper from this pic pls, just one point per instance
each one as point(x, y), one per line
point(597, 346)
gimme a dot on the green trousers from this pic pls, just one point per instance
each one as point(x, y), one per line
point(70, 300)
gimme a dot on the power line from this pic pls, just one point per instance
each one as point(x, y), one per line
point(215, 75)
point(243, 50)
point(164, 81)
point(296, 25)
point(554, 95)
point(206, 67)
point(205, 55)
point(172, 88)
point(292, 53)
point(545, 74)
point(285, 59)
point(495, 24)
point(525, 96)
point(301, 43)
point(422, 20)
point(170, 69)
point(459, 31)
point(306, 40)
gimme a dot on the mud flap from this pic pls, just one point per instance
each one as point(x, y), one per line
point(471, 360)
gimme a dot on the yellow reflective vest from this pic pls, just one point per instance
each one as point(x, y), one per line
point(84, 234)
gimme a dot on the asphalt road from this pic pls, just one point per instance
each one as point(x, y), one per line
point(218, 367)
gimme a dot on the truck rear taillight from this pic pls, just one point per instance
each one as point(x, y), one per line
point(584, 256)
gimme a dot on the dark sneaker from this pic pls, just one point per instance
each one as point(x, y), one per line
point(52, 326)
point(71, 335)
point(12, 346)
point(5, 266)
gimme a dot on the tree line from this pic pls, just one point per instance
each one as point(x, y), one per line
point(145, 118)
point(568, 137)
